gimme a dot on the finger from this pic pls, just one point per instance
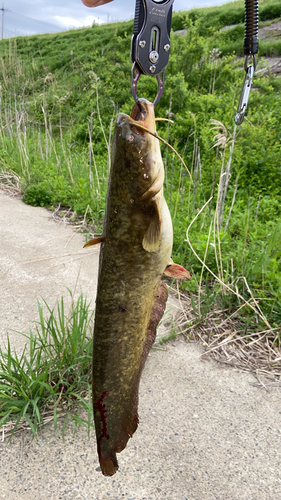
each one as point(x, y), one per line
point(95, 3)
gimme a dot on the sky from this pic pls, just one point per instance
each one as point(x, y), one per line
point(26, 17)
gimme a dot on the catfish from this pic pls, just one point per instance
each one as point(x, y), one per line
point(136, 248)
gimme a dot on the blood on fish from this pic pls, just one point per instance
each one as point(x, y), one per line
point(101, 407)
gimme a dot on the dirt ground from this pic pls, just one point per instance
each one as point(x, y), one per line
point(205, 432)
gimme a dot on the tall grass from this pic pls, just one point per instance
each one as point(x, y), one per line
point(51, 377)
point(53, 169)
point(58, 101)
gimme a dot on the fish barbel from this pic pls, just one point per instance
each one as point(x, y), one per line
point(131, 298)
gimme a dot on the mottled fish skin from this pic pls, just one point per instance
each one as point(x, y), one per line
point(131, 297)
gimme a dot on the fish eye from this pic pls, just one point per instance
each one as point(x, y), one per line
point(130, 137)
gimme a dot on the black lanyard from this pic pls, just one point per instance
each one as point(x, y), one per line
point(251, 47)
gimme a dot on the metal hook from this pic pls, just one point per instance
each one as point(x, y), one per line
point(135, 79)
point(160, 79)
point(242, 106)
point(253, 62)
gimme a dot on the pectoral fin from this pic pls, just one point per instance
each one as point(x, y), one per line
point(152, 238)
point(94, 241)
point(177, 271)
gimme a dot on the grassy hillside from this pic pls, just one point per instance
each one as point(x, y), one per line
point(60, 95)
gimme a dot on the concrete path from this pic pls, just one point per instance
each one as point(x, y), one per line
point(205, 432)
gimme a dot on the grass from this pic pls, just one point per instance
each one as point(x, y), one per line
point(50, 379)
point(57, 113)
point(171, 335)
point(229, 339)
point(215, 18)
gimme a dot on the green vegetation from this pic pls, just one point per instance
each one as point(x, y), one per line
point(215, 18)
point(60, 95)
point(51, 378)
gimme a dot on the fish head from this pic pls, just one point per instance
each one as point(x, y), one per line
point(137, 154)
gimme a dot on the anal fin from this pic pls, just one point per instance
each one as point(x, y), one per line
point(158, 308)
point(157, 312)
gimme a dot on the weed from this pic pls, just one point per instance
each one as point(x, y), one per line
point(58, 100)
point(169, 336)
point(51, 376)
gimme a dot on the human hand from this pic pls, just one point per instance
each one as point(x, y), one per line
point(95, 3)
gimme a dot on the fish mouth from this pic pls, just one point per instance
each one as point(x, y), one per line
point(143, 112)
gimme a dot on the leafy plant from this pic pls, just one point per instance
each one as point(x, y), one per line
point(51, 377)
point(59, 98)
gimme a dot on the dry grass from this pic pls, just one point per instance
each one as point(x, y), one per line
point(10, 183)
point(8, 430)
point(70, 217)
point(224, 340)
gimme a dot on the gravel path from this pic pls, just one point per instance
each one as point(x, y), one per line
point(205, 432)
